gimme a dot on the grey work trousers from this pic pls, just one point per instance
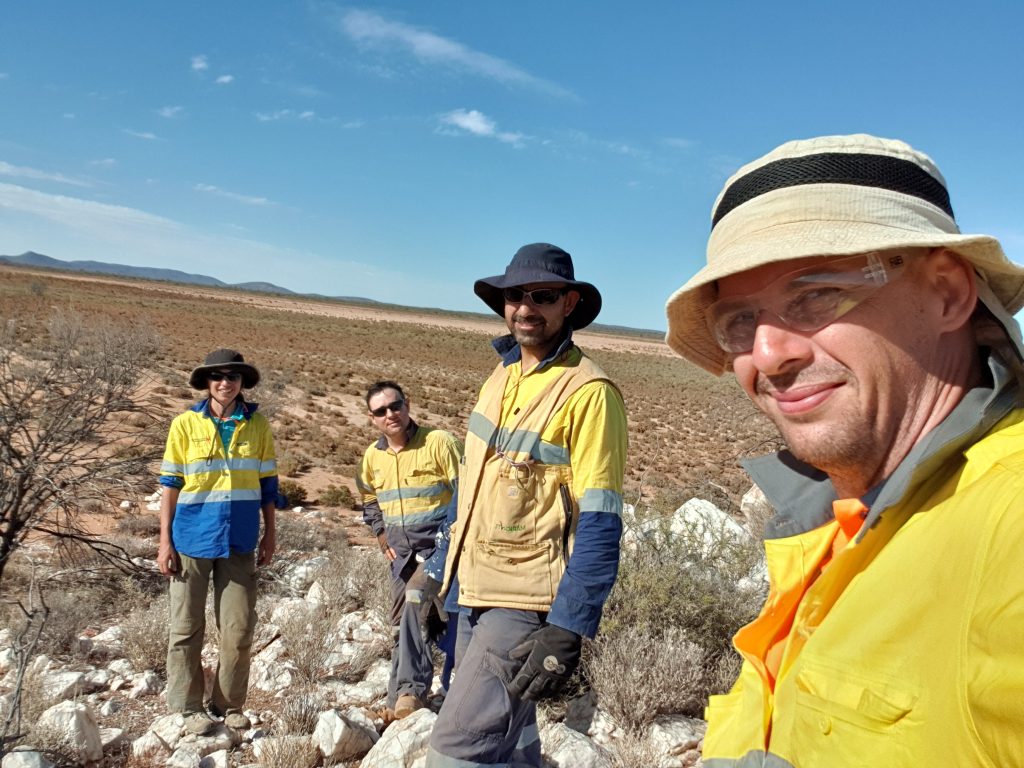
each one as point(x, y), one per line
point(412, 667)
point(234, 608)
point(480, 724)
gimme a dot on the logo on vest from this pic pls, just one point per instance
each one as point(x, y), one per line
point(510, 528)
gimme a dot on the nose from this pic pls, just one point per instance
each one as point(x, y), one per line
point(777, 347)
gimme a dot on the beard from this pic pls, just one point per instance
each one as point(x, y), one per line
point(543, 335)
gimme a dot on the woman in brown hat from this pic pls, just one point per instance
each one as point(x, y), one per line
point(218, 473)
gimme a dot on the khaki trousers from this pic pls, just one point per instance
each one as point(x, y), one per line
point(234, 608)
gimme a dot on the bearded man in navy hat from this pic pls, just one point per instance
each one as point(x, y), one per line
point(535, 546)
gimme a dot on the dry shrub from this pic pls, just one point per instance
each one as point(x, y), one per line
point(300, 713)
point(634, 750)
point(292, 491)
point(686, 581)
point(144, 635)
point(307, 638)
point(288, 752)
point(337, 496)
point(358, 578)
point(291, 464)
point(298, 535)
point(639, 675)
point(140, 524)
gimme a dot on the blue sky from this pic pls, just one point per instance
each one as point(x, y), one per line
point(401, 150)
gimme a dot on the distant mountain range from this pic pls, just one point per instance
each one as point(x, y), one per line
point(38, 260)
point(33, 259)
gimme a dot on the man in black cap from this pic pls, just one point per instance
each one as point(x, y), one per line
point(535, 547)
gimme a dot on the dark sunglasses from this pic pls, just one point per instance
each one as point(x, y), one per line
point(537, 295)
point(394, 407)
point(221, 375)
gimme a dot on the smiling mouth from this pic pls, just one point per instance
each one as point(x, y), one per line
point(803, 399)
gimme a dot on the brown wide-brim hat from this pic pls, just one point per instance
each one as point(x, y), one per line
point(224, 359)
point(832, 196)
point(541, 263)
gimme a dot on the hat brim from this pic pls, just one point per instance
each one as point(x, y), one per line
point(585, 312)
point(250, 374)
point(689, 336)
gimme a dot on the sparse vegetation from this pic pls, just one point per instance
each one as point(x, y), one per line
point(291, 490)
point(337, 496)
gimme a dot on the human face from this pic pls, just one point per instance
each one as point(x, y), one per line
point(853, 397)
point(392, 424)
point(537, 327)
point(225, 391)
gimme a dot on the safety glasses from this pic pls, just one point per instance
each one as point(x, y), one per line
point(232, 376)
point(539, 296)
point(805, 300)
point(394, 407)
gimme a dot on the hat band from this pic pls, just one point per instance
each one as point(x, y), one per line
point(864, 170)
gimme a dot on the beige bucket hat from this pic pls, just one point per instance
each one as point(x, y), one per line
point(832, 196)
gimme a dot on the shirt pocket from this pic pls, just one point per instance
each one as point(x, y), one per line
point(840, 712)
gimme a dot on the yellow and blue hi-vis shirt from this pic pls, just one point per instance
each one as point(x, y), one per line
point(222, 488)
point(407, 494)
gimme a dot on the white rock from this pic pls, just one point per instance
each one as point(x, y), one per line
point(290, 609)
point(125, 504)
point(98, 679)
point(110, 707)
point(25, 760)
point(146, 684)
point(271, 676)
point(155, 496)
point(317, 595)
point(706, 523)
point(372, 688)
point(109, 643)
point(169, 729)
point(149, 745)
point(403, 743)
point(8, 659)
point(111, 738)
point(153, 506)
point(62, 685)
point(218, 759)
point(340, 738)
point(121, 667)
point(675, 735)
point(185, 756)
point(566, 748)
point(75, 725)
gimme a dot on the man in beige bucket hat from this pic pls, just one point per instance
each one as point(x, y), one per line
point(880, 341)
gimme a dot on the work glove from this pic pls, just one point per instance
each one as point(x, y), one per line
point(430, 588)
point(552, 655)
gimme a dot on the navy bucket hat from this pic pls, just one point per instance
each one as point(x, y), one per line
point(541, 263)
point(224, 359)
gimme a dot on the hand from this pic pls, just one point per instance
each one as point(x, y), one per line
point(430, 590)
point(267, 547)
point(551, 655)
point(382, 542)
point(167, 559)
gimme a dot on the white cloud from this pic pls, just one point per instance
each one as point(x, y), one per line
point(224, 79)
point(199, 63)
point(105, 162)
point(170, 112)
point(478, 124)
point(678, 143)
point(284, 114)
point(372, 29)
point(141, 134)
point(247, 199)
point(68, 115)
point(15, 171)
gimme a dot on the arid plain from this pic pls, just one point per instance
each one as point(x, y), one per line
point(686, 429)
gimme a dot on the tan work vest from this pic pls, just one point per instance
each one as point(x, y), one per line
point(517, 515)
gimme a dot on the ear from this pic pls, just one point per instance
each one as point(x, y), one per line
point(952, 280)
point(572, 298)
